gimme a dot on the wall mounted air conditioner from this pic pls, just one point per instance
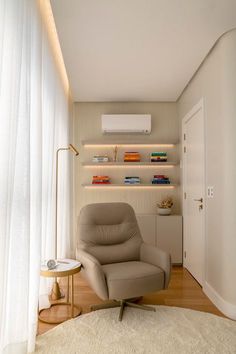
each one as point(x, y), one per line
point(126, 123)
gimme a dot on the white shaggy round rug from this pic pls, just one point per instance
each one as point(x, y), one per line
point(169, 330)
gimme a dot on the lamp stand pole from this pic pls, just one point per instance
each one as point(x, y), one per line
point(56, 292)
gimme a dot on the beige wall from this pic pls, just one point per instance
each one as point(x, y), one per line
point(216, 83)
point(87, 125)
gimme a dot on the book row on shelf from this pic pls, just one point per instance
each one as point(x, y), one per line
point(133, 156)
point(128, 180)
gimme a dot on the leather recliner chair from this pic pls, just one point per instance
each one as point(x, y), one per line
point(116, 262)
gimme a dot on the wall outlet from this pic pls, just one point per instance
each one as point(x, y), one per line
point(210, 192)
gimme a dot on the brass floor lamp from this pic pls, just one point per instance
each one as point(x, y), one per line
point(56, 292)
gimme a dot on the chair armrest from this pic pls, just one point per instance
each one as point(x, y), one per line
point(92, 269)
point(157, 257)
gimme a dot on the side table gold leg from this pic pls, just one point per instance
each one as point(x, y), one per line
point(72, 296)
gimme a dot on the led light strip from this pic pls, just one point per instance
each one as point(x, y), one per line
point(127, 166)
point(129, 145)
point(48, 19)
point(129, 187)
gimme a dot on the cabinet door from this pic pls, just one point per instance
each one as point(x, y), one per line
point(169, 236)
point(147, 225)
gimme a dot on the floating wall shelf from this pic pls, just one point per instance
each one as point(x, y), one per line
point(140, 143)
point(129, 164)
point(144, 186)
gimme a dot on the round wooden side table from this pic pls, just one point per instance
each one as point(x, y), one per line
point(64, 268)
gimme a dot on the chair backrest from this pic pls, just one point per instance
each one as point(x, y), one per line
point(109, 232)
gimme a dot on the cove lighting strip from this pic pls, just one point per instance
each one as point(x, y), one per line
point(128, 187)
point(129, 145)
point(49, 22)
point(128, 166)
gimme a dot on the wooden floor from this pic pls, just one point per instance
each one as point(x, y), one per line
point(183, 291)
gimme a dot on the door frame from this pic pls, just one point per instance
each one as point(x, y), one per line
point(197, 107)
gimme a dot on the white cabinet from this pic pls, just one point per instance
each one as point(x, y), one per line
point(164, 232)
point(169, 236)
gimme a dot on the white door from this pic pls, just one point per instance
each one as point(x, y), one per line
point(194, 191)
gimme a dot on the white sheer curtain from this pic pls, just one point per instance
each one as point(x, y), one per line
point(34, 122)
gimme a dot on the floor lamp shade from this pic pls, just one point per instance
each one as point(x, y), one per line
point(73, 149)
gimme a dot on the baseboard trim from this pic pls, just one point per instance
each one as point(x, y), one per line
point(225, 307)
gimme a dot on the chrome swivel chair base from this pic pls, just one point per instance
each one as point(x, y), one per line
point(121, 304)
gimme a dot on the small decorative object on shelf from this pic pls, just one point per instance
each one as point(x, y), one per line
point(101, 180)
point(164, 208)
point(132, 156)
point(160, 179)
point(100, 158)
point(132, 180)
point(158, 156)
point(115, 151)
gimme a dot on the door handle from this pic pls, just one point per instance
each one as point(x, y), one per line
point(199, 200)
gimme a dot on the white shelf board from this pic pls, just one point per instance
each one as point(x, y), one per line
point(128, 143)
point(148, 185)
point(129, 164)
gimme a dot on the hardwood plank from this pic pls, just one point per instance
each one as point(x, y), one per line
point(183, 291)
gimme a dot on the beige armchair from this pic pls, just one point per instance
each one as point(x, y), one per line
point(117, 263)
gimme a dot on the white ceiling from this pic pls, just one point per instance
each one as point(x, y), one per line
point(137, 50)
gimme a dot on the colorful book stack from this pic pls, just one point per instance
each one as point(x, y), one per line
point(132, 180)
point(100, 158)
point(158, 156)
point(160, 179)
point(101, 180)
point(132, 156)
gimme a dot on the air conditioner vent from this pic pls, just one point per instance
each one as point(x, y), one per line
point(126, 123)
